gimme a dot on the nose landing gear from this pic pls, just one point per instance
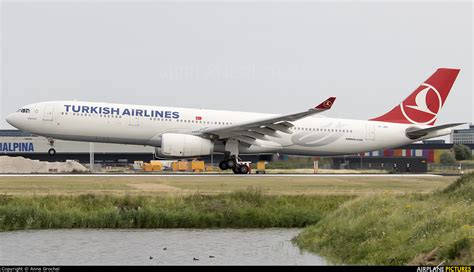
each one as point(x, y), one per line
point(51, 151)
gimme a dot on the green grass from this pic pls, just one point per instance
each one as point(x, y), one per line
point(393, 230)
point(241, 209)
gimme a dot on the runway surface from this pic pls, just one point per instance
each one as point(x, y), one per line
point(220, 175)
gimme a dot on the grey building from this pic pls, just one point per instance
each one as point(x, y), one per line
point(24, 144)
point(463, 136)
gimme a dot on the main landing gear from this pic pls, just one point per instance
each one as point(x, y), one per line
point(231, 158)
point(234, 164)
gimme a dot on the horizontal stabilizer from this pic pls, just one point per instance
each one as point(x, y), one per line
point(418, 133)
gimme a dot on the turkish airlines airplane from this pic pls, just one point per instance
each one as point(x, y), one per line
point(186, 133)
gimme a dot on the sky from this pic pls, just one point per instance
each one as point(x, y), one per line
point(259, 56)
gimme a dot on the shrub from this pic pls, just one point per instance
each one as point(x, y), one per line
point(447, 158)
point(462, 152)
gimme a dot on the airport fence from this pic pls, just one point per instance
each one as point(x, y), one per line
point(450, 168)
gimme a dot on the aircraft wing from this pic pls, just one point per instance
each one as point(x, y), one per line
point(261, 129)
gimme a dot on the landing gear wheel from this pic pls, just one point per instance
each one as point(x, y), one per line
point(235, 170)
point(223, 165)
point(243, 169)
point(52, 152)
point(230, 163)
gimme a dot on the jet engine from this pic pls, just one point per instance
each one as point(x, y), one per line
point(184, 145)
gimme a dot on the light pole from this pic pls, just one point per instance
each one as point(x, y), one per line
point(91, 157)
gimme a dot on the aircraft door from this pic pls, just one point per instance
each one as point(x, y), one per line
point(48, 112)
point(134, 121)
point(370, 131)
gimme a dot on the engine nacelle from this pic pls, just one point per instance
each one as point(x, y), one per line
point(184, 145)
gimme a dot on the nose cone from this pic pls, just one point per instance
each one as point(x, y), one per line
point(12, 119)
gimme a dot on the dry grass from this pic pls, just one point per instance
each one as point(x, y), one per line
point(274, 185)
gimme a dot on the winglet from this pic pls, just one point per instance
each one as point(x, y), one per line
point(327, 104)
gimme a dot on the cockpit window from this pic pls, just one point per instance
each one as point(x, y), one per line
point(24, 110)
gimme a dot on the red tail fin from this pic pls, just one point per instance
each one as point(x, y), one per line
point(424, 104)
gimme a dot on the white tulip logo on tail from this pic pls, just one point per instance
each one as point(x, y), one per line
point(424, 105)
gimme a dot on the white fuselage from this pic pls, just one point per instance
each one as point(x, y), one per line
point(143, 125)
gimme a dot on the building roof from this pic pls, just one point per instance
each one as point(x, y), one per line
point(14, 133)
point(465, 130)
